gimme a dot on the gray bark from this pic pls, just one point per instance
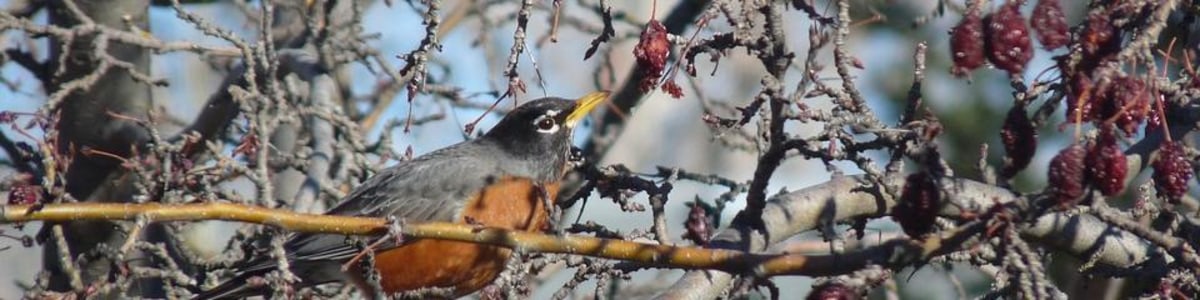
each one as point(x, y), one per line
point(87, 121)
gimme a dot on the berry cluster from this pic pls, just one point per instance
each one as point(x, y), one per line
point(1002, 37)
point(1104, 98)
point(1123, 101)
point(1172, 171)
point(1113, 101)
point(1101, 163)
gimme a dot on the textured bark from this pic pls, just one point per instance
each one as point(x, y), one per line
point(87, 121)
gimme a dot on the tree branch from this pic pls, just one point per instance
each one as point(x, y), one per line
point(850, 197)
point(156, 212)
point(654, 255)
point(895, 253)
point(840, 199)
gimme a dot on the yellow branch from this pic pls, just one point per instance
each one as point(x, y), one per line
point(155, 212)
point(651, 254)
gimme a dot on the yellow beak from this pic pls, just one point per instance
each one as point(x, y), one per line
point(583, 106)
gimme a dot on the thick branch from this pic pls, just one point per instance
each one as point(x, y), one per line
point(850, 197)
point(649, 254)
point(840, 199)
point(155, 212)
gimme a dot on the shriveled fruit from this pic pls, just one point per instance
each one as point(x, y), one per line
point(1172, 171)
point(673, 89)
point(651, 53)
point(1066, 175)
point(1126, 102)
point(23, 191)
point(699, 229)
point(919, 204)
point(1099, 36)
point(24, 194)
point(1106, 164)
point(831, 290)
point(1020, 140)
point(1050, 24)
point(966, 44)
point(1008, 45)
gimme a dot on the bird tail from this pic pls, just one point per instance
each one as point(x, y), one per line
point(237, 287)
point(249, 281)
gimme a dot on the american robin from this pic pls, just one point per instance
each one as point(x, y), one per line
point(502, 179)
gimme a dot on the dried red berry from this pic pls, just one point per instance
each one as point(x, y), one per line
point(1066, 175)
point(699, 230)
point(23, 193)
point(1153, 122)
point(1172, 171)
point(1050, 24)
point(1126, 102)
point(919, 204)
point(651, 53)
point(966, 44)
point(673, 88)
point(1106, 164)
point(1020, 141)
point(831, 290)
point(1008, 44)
point(1099, 37)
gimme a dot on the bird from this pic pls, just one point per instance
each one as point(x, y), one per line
point(503, 179)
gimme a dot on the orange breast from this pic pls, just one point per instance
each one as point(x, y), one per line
point(510, 203)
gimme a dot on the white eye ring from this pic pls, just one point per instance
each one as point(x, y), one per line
point(546, 124)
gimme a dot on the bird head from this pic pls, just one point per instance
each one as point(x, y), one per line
point(543, 125)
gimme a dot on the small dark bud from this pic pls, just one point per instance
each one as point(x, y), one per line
point(919, 204)
point(1020, 141)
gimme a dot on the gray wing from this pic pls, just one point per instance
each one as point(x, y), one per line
point(429, 188)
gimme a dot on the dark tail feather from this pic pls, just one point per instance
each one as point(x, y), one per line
point(237, 287)
point(249, 281)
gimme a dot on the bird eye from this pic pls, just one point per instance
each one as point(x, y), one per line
point(546, 124)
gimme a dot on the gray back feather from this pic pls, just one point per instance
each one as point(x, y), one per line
point(432, 187)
